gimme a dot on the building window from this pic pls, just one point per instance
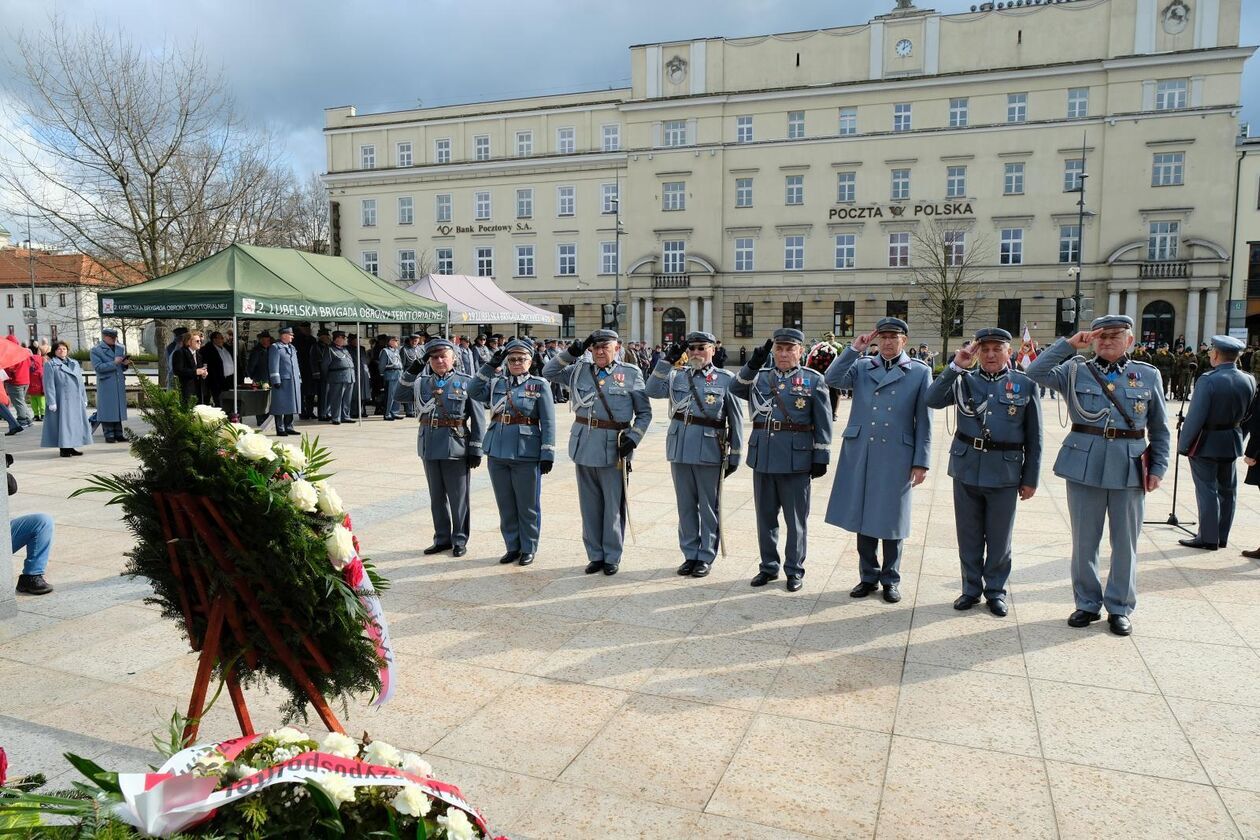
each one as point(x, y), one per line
point(524, 260)
point(524, 143)
point(959, 109)
point(743, 192)
point(442, 207)
point(1072, 170)
point(793, 253)
point(445, 258)
point(743, 130)
point(608, 198)
point(612, 137)
point(955, 181)
point(566, 201)
point(404, 153)
point(43, 299)
point(11, 330)
point(674, 195)
point(26, 300)
point(898, 309)
point(795, 185)
point(407, 265)
point(1170, 94)
point(901, 117)
point(744, 253)
point(1016, 107)
point(899, 249)
point(10, 297)
point(481, 147)
point(481, 205)
point(1164, 241)
point(608, 258)
point(848, 121)
point(1069, 243)
point(674, 256)
point(485, 261)
point(1013, 181)
point(846, 187)
point(369, 212)
point(796, 125)
point(955, 242)
point(1012, 246)
point(566, 259)
point(61, 299)
point(371, 262)
point(674, 132)
point(442, 150)
point(1077, 103)
point(568, 320)
point(1009, 315)
point(406, 210)
point(846, 250)
point(367, 157)
point(53, 330)
point(566, 140)
point(525, 203)
point(743, 320)
point(900, 184)
point(842, 319)
point(792, 314)
point(1168, 169)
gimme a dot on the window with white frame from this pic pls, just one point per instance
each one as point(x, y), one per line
point(900, 184)
point(1164, 240)
point(371, 262)
point(608, 258)
point(955, 181)
point(442, 150)
point(566, 201)
point(795, 189)
point(61, 300)
point(899, 249)
point(1170, 94)
point(481, 205)
point(955, 242)
point(846, 250)
point(743, 192)
point(484, 255)
point(403, 153)
point(608, 198)
point(369, 212)
point(481, 147)
point(1069, 243)
point(674, 256)
point(406, 210)
point(1072, 170)
point(1168, 169)
point(959, 112)
point(674, 195)
point(846, 187)
point(1011, 247)
point(1016, 107)
point(1077, 102)
point(612, 137)
point(445, 259)
point(795, 125)
point(407, 265)
point(848, 121)
point(1013, 179)
point(566, 259)
point(367, 157)
point(442, 207)
point(525, 261)
point(793, 253)
point(524, 143)
point(566, 140)
point(525, 203)
point(674, 133)
point(902, 117)
point(743, 129)
point(744, 253)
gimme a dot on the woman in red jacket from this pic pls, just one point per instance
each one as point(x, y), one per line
point(36, 391)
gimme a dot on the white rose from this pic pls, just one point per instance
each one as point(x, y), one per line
point(232, 431)
point(412, 801)
point(457, 825)
point(209, 414)
point(254, 447)
point(289, 735)
point(336, 787)
point(302, 494)
point(379, 752)
point(292, 456)
point(417, 766)
point(340, 745)
point(329, 501)
point(242, 771)
point(340, 547)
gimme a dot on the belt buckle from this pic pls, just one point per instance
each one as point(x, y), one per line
point(977, 444)
point(590, 421)
point(1109, 433)
point(776, 425)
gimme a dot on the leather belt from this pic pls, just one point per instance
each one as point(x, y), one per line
point(514, 420)
point(1221, 427)
point(693, 420)
point(1110, 433)
point(441, 423)
point(982, 445)
point(596, 423)
point(781, 426)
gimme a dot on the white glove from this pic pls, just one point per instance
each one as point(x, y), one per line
point(51, 407)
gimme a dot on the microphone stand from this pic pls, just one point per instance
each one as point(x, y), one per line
point(1172, 521)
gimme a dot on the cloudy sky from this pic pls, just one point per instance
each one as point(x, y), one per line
point(287, 60)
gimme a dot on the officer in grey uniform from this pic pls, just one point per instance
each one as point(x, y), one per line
point(886, 450)
point(611, 415)
point(286, 382)
point(411, 351)
point(520, 444)
point(706, 433)
point(994, 459)
point(1116, 405)
point(449, 442)
point(110, 361)
point(788, 447)
point(1212, 437)
point(337, 370)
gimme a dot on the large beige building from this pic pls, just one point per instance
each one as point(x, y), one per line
point(788, 179)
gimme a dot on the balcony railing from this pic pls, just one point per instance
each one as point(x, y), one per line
point(671, 281)
point(1167, 270)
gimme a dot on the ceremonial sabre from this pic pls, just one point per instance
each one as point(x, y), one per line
point(623, 467)
point(724, 449)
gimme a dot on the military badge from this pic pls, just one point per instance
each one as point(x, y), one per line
point(782, 385)
point(800, 402)
point(710, 399)
point(1011, 411)
point(1139, 407)
point(1111, 386)
point(437, 390)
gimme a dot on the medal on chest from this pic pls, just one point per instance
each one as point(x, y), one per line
point(710, 399)
point(800, 402)
point(1139, 407)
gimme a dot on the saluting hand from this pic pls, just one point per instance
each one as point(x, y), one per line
point(863, 341)
point(917, 475)
point(576, 349)
point(673, 353)
point(758, 358)
point(965, 357)
point(496, 361)
point(1084, 338)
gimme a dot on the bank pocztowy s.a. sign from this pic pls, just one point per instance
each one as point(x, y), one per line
point(901, 211)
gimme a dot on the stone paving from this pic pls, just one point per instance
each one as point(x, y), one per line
point(649, 705)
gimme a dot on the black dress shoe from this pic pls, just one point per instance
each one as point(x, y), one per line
point(794, 583)
point(510, 557)
point(66, 453)
point(33, 585)
point(998, 607)
point(1120, 624)
point(863, 589)
point(1081, 618)
point(762, 579)
point(1254, 555)
point(965, 602)
point(610, 570)
point(437, 548)
point(459, 550)
point(1195, 542)
point(701, 569)
point(525, 559)
point(687, 567)
point(892, 594)
point(75, 452)
point(594, 566)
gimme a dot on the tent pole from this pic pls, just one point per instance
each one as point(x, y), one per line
point(236, 370)
point(358, 369)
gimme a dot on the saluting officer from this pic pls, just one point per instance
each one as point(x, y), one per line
point(286, 382)
point(520, 443)
point(886, 450)
point(1212, 436)
point(789, 446)
point(337, 369)
point(994, 459)
point(611, 415)
point(448, 442)
point(1115, 404)
point(706, 432)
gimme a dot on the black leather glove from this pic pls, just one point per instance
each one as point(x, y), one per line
point(758, 358)
point(730, 468)
point(673, 353)
point(576, 349)
point(817, 470)
point(496, 361)
point(625, 446)
point(277, 386)
point(474, 461)
point(587, 342)
point(415, 367)
point(544, 467)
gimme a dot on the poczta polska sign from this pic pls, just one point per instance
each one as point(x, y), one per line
point(901, 211)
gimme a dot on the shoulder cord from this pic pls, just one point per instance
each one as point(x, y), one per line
point(1075, 405)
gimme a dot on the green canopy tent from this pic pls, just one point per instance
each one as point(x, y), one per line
point(271, 284)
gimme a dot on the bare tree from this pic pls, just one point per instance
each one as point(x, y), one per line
point(947, 265)
point(306, 217)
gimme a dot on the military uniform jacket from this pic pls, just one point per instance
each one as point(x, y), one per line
point(111, 382)
point(513, 398)
point(1113, 464)
point(390, 359)
point(1213, 425)
point(798, 397)
point(319, 352)
point(338, 365)
point(627, 399)
point(1163, 362)
point(442, 400)
point(1007, 406)
point(713, 399)
point(283, 370)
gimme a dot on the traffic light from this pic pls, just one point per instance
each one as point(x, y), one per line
point(1067, 310)
point(607, 317)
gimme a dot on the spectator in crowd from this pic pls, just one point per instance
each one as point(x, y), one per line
point(177, 339)
point(220, 367)
point(18, 382)
point(189, 368)
point(6, 409)
point(256, 366)
point(35, 394)
point(719, 356)
point(34, 532)
point(67, 424)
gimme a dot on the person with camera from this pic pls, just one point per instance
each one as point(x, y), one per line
point(66, 421)
point(110, 361)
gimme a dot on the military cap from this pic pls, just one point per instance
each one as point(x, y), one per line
point(110, 331)
point(1111, 322)
point(891, 324)
point(992, 334)
point(1163, 345)
point(787, 335)
point(179, 331)
point(701, 337)
point(339, 334)
point(286, 331)
point(604, 336)
point(264, 334)
point(520, 345)
point(1228, 343)
point(437, 344)
point(322, 331)
point(414, 335)
point(385, 337)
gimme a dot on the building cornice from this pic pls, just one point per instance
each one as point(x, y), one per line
point(601, 105)
point(472, 169)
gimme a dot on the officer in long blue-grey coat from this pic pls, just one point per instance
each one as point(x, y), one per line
point(886, 450)
point(1212, 437)
point(994, 459)
point(286, 382)
point(611, 415)
point(1115, 453)
point(449, 441)
point(337, 369)
point(110, 361)
point(704, 444)
point(789, 446)
point(520, 444)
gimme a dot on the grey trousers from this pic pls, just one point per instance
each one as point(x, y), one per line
point(17, 395)
point(869, 568)
point(1123, 509)
point(1216, 491)
point(696, 490)
point(518, 495)
point(603, 506)
point(984, 518)
point(788, 492)
point(448, 500)
point(338, 393)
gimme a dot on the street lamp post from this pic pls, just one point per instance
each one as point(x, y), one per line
point(616, 314)
point(30, 255)
point(1080, 246)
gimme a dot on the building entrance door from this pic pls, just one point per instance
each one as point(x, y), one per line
point(1157, 323)
point(673, 325)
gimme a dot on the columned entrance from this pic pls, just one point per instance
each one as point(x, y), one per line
point(1157, 323)
point(673, 325)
